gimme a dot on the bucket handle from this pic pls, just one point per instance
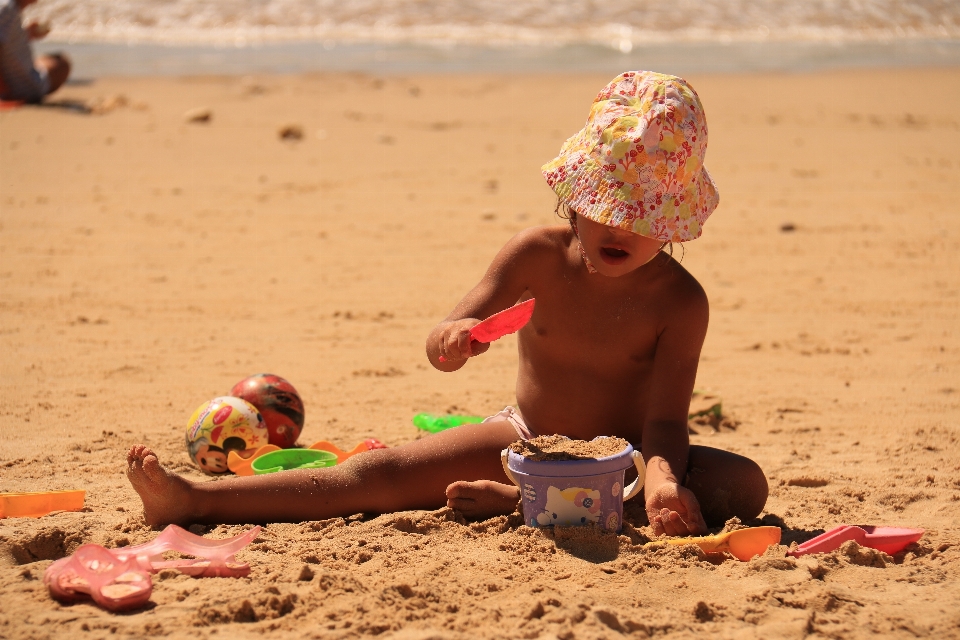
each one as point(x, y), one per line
point(634, 487)
point(629, 491)
point(506, 468)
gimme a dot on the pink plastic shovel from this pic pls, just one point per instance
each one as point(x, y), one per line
point(212, 558)
point(502, 323)
point(887, 539)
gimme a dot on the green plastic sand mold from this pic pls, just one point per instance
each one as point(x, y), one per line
point(287, 459)
point(435, 424)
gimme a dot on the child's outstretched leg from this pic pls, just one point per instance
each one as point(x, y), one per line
point(413, 476)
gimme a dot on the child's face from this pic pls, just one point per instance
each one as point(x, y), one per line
point(615, 252)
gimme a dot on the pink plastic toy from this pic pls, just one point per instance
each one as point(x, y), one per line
point(94, 572)
point(502, 323)
point(119, 579)
point(887, 539)
point(213, 558)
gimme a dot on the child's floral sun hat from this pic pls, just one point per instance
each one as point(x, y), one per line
point(638, 162)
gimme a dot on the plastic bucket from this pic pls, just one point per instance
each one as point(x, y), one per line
point(574, 492)
point(286, 459)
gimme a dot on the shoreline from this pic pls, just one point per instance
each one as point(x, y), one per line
point(683, 58)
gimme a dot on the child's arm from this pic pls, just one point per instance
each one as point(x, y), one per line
point(671, 507)
point(502, 286)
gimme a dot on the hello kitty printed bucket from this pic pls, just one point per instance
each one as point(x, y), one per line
point(574, 492)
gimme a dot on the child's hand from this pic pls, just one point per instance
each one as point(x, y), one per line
point(455, 341)
point(674, 510)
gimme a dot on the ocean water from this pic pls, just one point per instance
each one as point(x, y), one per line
point(396, 36)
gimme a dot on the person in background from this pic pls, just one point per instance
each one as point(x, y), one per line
point(21, 76)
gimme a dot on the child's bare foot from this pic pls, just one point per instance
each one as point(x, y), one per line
point(166, 496)
point(483, 498)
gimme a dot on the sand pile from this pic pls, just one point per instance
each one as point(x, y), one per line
point(563, 448)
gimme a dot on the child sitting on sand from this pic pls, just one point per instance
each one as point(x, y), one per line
point(612, 347)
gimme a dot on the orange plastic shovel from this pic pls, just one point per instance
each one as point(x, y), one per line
point(742, 544)
point(34, 505)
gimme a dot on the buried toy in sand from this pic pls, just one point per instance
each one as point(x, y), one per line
point(119, 579)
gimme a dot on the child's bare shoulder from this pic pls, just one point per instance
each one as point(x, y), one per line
point(538, 243)
point(682, 291)
point(548, 237)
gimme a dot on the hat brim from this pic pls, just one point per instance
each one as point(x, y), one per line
point(585, 185)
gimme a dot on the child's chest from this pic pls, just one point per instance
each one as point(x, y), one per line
point(576, 323)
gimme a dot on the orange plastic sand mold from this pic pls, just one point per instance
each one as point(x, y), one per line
point(244, 466)
point(40, 503)
point(367, 445)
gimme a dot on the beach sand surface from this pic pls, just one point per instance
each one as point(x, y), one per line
point(148, 263)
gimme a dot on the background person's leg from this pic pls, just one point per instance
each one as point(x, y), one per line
point(57, 67)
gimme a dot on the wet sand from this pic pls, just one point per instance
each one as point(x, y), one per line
point(148, 263)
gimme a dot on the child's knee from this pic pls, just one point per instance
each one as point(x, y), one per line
point(737, 488)
point(755, 489)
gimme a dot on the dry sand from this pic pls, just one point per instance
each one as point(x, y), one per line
point(147, 264)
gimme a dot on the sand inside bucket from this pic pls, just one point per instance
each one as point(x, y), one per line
point(563, 448)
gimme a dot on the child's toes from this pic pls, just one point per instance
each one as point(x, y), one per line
point(460, 504)
point(133, 456)
point(458, 489)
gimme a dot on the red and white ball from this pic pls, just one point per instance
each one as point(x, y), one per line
point(278, 402)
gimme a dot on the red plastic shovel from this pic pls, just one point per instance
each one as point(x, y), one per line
point(887, 539)
point(502, 323)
